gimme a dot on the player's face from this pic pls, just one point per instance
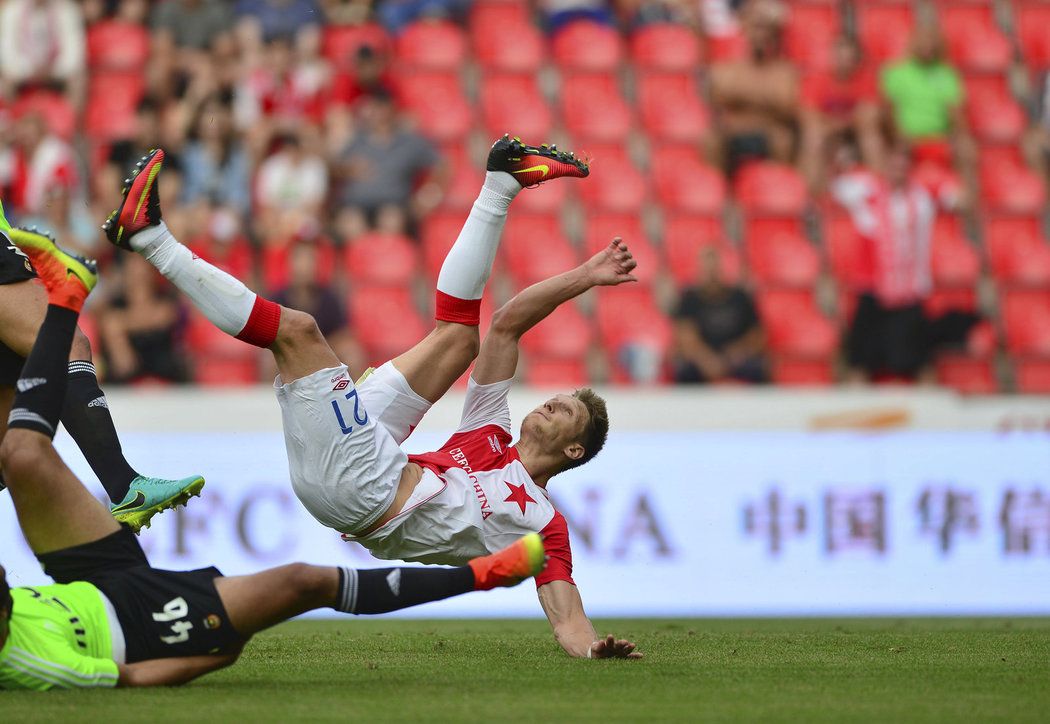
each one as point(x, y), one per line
point(558, 422)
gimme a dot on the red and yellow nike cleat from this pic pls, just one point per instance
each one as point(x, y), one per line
point(532, 165)
point(520, 560)
point(69, 278)
point(140, 205)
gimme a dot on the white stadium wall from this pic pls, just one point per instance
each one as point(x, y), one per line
point(703, 503)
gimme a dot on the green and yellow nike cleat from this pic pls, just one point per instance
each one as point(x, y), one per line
point(148, 496)
point(69, 278)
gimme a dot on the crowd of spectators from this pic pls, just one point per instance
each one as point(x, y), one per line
point(284, 153)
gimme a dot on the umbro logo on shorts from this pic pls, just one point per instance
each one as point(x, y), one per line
point(27, 383)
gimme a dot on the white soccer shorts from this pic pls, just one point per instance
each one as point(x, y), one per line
point(343, 448)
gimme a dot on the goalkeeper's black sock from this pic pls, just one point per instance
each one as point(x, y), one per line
point(41, 390)
point(381, 590)
point(86, 417)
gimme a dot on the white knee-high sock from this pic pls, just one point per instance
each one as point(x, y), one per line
point(468, 265)
point(223, 299)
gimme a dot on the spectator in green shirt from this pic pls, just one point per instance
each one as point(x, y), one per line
point(926, 97)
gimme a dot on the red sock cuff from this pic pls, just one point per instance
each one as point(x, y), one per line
point(262, 324)
point(460, 311)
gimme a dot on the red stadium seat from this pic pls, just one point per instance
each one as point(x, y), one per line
point(794, 326)
point(602, 227)
point(535, 249)
point(588, 46)
point(884, 29)
point(684, 183)
point(545, 199)
point(440, 230)
point(848, 255)
point(974, 41)
point(1031, 19)
point(389, 259)
point(665, 47)
point(493, 17)
point(55, 108)
point(992, 111)
point(340, 43)
point(554, 372)
point(671, 108)
point(771, 189)
point(1009, 187)
point(432, 45)
point(967, 375)
point(1026, 320)
point(524, 54)
point(781, 257)
point(1017, 252)
point(513, 103)
point(274, 262)
point(436, 100)
point(1032, 375)
point(116, 45)
point(112, 97)
point(219, 359)
point(685, 236)
point(602, 230)
point(594, 109)
point(628, 321)
point(565, 334)
point(385, 320)
point(950, 299)
point(466, 179)
point(953, 259)
point(796, 372)
point(810, 35)
point(615, 184)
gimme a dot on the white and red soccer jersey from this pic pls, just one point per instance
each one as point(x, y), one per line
point(475, 497)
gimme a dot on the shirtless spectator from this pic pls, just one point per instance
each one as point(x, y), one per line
point(756, 98)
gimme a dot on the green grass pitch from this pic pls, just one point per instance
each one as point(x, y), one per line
point(790, 670)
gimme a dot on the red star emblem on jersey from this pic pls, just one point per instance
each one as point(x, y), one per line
point(518, 495)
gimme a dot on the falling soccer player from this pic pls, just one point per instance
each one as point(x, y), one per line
point(135, 498)
point(111, 619)
point(478, 492)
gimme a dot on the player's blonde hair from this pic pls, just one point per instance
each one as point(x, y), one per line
point(595, 431)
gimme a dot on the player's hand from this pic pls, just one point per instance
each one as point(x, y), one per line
point(612, 265)
point(612, 648)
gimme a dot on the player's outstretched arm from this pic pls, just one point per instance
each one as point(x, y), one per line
point(172, 672)
point(563, 605)
point(499, 352)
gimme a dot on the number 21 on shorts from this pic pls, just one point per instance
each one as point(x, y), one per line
point(360, 416)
